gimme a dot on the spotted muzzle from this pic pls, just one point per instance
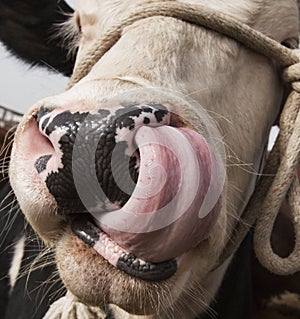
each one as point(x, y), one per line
point(137, 185)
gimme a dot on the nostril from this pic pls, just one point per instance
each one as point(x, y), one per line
point(42, 112)
point(43, 118)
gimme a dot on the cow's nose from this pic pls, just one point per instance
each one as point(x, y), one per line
point(93, 146)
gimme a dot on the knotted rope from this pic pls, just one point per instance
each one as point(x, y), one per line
point(279, 178)
point(68, 307)
point(195, 14)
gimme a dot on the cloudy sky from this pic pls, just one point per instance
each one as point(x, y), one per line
point(21, 85)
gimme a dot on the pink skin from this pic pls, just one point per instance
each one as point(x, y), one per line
point(34, 145)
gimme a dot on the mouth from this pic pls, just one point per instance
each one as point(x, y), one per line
point(85, 229)
point(164, 217)
point(146, 229)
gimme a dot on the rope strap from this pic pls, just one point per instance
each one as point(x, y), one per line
point(68, 307)
point(279, 181)
point(195, 14)
point(279, 178)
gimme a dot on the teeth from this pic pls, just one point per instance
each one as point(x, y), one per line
point(142, 262)
point(116, 250)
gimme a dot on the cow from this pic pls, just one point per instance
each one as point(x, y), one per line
point(173, 118)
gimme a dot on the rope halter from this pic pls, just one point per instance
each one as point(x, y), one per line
point(279, 179)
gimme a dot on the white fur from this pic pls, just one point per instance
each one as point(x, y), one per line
point(16, 261)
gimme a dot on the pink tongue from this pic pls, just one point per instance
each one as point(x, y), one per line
point(176, 200)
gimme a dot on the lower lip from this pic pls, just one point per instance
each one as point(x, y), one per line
point(120, 258)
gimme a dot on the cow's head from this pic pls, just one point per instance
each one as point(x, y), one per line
point(137, 174)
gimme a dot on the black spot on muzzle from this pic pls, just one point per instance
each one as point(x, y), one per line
point(95, 138)
point(41, 163)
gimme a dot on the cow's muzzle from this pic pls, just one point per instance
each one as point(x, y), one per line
point(137, 186)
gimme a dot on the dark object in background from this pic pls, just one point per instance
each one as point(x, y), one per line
point(33, 292)
point(29, 30)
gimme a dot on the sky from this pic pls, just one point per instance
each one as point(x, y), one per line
point(22, 85)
